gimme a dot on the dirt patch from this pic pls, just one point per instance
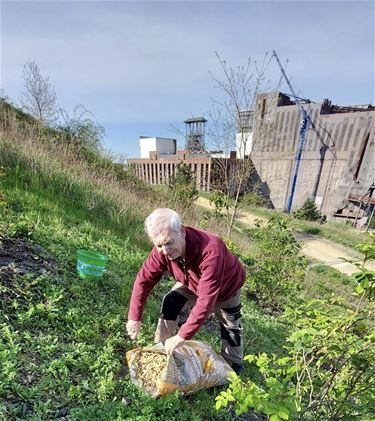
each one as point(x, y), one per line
point(18, 258)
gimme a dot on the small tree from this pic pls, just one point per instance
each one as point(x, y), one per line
point(182, 186)
point(38, 97)
point(220, 201)
point(309, 212)
point(232, 126)
point(277, 271)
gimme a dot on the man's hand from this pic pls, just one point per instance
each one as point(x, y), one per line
point(172, 343)
point(133, 327)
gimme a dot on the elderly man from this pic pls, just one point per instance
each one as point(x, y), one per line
point(209, 279)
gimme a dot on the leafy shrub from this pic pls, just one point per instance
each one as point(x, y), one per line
point(312, 230)
point(182, 186)
point(220, 201)
point(309, 212)
point(277, 270)
point(328, 371)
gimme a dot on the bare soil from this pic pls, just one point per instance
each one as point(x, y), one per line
point(19, 257)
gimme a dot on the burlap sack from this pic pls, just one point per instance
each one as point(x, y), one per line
point(192, 366)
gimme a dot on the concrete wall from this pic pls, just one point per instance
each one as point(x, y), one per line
point(327, 173)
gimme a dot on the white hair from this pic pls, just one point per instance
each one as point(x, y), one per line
point(162, 219)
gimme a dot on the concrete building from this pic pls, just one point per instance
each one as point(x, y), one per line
point(207, 169)
point(244, 138)
point(165, 146)
point(337, 168)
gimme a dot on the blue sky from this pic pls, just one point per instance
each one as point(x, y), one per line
point(143, 67)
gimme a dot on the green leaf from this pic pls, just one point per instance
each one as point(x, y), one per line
point(283, 415)
point(364, 283)
point(269, 409)
point(249, 358)
point(275, 417)
point(359, 289)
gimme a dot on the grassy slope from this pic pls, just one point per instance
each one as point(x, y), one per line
point(64, 342)
point(62, 339)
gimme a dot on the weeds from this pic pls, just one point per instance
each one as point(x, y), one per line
point(62, 340)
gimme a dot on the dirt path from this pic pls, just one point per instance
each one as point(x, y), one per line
point(314, 247)
point(330, 253)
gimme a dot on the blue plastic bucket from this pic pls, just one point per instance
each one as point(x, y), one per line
point(90, 264)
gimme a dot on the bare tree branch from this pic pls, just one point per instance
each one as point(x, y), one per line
point(232, 124)
point(38, 97)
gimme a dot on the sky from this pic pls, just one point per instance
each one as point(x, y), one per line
point(143, 67)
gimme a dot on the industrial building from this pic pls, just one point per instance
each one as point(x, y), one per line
point(337, 166)
point(159, 158)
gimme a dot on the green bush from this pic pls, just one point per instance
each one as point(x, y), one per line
point(220, 201)
point(328, 370)
point(182, 186)
point(312, 230)
point(277, 270)
point(309, 212)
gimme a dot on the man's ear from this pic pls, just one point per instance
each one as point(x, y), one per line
point(183, 230)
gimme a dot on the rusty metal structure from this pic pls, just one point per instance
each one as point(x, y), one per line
point(195, 134)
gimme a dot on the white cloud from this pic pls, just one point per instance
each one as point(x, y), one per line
point(151, 60)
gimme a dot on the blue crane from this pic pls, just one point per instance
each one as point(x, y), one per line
point(306, 120)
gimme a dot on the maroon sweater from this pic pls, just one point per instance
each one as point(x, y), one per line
point(212, 273)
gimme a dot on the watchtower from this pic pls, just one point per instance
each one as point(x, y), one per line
point(195, 134)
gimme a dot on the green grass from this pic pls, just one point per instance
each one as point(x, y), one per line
point(62, 340)
point(338, 232)
point(325, 282)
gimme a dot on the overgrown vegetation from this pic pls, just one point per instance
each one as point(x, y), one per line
point(253, 198)
point(339, 232)
point(62, 341)
point(328, 371)
point(276, 271)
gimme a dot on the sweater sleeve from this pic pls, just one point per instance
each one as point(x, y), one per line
point(208, 291)
point(149, 275)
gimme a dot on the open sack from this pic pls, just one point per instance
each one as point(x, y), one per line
point(192, 366)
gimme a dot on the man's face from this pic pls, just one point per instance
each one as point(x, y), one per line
point(171, 244)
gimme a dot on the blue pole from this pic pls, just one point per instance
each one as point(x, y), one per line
point(302, 136)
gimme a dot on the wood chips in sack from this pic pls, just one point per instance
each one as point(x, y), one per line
point(192, 366)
